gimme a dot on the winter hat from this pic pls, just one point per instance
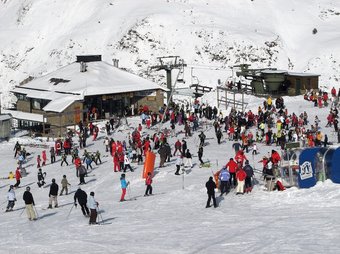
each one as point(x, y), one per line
point(210, 178)
point(123, 175)
point(28, 188)
point(64, 176)
point(53, 180)
point(247, 162)
point(91, 193)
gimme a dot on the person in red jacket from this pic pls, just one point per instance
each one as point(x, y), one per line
point(148, 182)
point(241, 176)
point(17, 177)
point(275, 157)
point(178, 146)
point(116, 166)
point(232, 167)
point(240, 157)
point(44, 158)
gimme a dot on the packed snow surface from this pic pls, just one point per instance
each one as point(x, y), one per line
point(174, 220)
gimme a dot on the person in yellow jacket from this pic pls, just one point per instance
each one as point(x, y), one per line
point(10, 175)
point(269, 102)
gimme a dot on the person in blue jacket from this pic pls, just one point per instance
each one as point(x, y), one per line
point(124, 184)
point(224, 179)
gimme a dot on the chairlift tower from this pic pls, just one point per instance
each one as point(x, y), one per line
point(168, 63)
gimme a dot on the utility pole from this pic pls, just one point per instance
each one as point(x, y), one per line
point(168, 63)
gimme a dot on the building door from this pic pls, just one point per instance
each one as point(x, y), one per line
point(298, 86)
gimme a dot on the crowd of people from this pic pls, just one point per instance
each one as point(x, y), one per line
point(272, 125)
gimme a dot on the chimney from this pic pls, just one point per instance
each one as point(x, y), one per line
point(82, 67)
point(115, 62)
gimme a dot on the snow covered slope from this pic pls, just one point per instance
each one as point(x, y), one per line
point(174, 220)
point(39, 36)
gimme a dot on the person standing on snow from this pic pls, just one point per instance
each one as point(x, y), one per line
point(148, 182)
point(29, 202)
point(124, 185)
point(200, 154)
point(64, 184)
point(179, 163)
point(93, 205)
point(250, 172)
point(11, 199)
point(17, 178)
point(44, 158)
point(127, 163)
point(224, 180)
point(210, 185)
point(81, 196)
point(53, 194)
point(17, 149)
point(240, 176)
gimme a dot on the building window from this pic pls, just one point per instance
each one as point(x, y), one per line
point(39, 103)
point(21, 97)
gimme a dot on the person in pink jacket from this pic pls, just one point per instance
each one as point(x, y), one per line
point(240, 176)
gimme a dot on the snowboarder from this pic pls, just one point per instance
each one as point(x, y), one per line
point(93, 205)
point(64, 184)
point(11, 199)
point(210, 185)
point(53, 194)
point(81, 196)
point(124, 185)
point(148, 182)
point(29, 202)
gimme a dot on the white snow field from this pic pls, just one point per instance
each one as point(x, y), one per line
point(40, 36)
point(174, 220)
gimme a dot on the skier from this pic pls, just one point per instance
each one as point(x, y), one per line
point(127, 163)
point(232, 166)
point(29, 203)
point(81, 196)
point(41, 178)
point(44, 158)
point(93, 204)
point(202, 138)
point(52, 153)
point(81, 172)
point(11, 199)
point(250, 172)
point(240, 176)
point(200, 154)
point(179, 162)
point(124, 185)
point(17, 178)
point(224, 180)
point(64, 159)
point(148, 182)
point(210, 185)
point(38, 161)
point(64, 184)
point(17, 148)
point(53, 194)
point(188, 159)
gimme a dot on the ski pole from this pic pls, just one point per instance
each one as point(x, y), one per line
point(100, 217)
point(129, 192)
point(70, 211)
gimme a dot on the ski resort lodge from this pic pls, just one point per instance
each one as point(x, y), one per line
point(86, 88)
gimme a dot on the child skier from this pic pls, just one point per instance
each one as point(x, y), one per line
point(41, 178)
point(64, 184)
point(148, 182)
point(124, 185)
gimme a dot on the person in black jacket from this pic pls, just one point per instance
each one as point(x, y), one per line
point(41, 178)
point(82, 200)
point(29, 202)
point(210, 185)
point(53, 194)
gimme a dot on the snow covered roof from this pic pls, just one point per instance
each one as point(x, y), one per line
point(5, 117)
point(100, 78)
point(25, 116)
point(273, 71)
point(303, 74)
